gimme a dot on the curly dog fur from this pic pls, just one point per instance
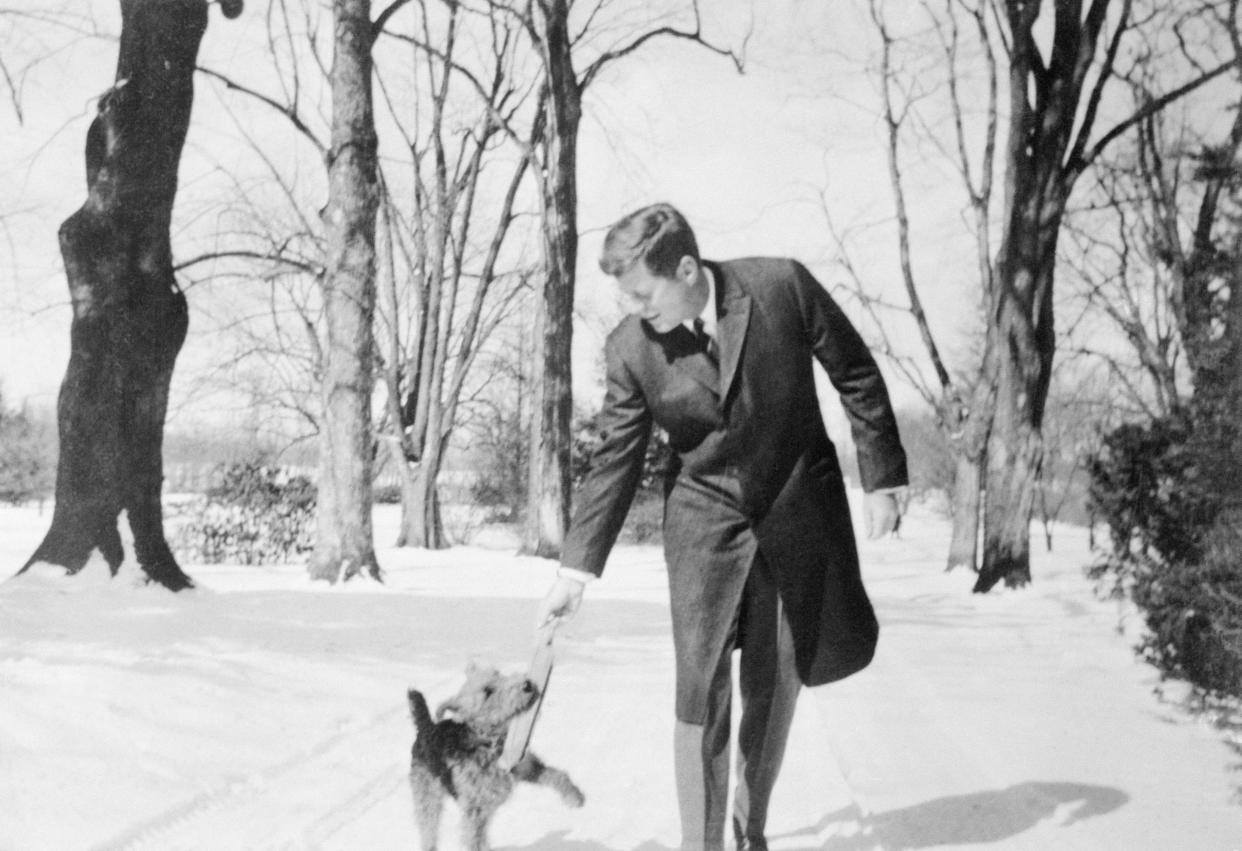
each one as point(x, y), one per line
point(459, 755)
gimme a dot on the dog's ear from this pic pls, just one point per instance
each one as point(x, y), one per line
point(450, 705)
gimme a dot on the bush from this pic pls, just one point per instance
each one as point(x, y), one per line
point(1176, 543)
point(501, 446)
point(256, 514)
point(1194, 613)
point(27, 457)
point(930, 459)
point(386, 493)
point(645, 522)
point(1147, 486)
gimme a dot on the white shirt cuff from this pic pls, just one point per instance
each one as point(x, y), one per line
point(577, 575)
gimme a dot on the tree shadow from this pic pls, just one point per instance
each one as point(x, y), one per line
point(977, 818)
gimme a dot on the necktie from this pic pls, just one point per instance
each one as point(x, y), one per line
point(706, 341)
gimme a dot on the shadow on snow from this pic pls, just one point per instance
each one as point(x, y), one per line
point(978, 818)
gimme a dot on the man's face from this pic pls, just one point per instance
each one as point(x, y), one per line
point(663, 302)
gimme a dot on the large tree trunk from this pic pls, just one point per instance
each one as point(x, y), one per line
point(345, 546)
point(549, 494)
point(1012, 467)
point(1024, 354)
point(1047, 148)
point(129, 317)
point(1043, 104)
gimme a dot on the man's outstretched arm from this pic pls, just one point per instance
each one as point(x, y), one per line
point(607, 492)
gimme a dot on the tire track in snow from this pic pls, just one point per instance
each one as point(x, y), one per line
point(299, 802)
point(378, 789)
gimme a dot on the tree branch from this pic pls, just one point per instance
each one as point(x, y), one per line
point(9, 84)
point(739, 60)
point(893, 127)
point(493, 110)
point(380, 22)
point(284, 109)
point(1150, 108)
point(1106, 72)
point(300, 265)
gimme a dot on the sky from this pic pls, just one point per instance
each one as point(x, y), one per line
point(756, 160)
point(264, 711)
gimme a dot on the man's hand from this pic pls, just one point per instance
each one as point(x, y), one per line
point(560, 603)
point(881, 513)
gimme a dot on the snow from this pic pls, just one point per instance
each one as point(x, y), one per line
point(265, 711)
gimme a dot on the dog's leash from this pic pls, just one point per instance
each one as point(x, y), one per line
point(521, 728)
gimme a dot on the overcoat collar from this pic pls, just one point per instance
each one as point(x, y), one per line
point(733, 304)
point(683, 352)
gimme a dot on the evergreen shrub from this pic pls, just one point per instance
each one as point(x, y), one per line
point(255, 514)
point(27, 456)
point(1176, 545)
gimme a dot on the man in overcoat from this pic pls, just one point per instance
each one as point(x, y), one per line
point(757, 533)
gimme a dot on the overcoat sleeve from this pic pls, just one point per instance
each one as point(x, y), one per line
point(856, 377)
point(604, 498)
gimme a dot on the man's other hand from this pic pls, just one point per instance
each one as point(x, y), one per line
point(560, 603)
point(881, 512)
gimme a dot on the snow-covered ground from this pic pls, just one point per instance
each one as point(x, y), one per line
point(262, 711)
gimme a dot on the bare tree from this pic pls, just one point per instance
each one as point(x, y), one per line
point(432, 250)
point(1056, 89)
point(426, 252)
point(963, 399)
point(1110, 267)
point(129, 317)
point(344, 547)
point(1201, 257)
point(458, 120)
point(550, 29)
point(1055, 98)
point(1178, 195)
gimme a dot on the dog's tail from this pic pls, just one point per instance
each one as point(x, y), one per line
point(420, 712)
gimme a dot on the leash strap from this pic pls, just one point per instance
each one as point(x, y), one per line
point(520, 729)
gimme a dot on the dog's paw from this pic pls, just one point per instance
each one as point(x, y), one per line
point(573, 796)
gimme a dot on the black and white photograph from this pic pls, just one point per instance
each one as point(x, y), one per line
point(621, 425)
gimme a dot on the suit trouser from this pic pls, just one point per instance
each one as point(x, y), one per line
point(769, 687)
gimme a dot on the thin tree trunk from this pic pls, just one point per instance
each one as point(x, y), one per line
point(129, 317)
point(968, 423)
point(965, 502)
point(1046, 519)
point(549, 492)
point(345, 547)
point(421, 524)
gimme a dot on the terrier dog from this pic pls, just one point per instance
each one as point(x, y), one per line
point(459, 755)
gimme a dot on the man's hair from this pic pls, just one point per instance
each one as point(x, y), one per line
point(658, 235)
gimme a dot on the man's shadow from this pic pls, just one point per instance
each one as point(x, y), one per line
point(976, 818)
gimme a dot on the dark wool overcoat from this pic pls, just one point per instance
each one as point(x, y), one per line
point(755, 472)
